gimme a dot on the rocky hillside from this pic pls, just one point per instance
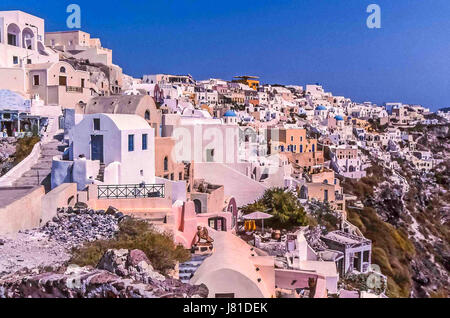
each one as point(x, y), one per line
point(71, 257)
point(406, 215)
point(119, 274)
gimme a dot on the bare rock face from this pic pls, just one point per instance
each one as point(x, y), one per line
point(119, 274)
point(132, 263)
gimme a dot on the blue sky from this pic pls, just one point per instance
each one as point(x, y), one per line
point(285, 42)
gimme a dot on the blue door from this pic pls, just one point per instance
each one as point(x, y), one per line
point(97, 147)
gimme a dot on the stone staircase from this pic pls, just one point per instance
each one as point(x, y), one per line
point(101, 173)
point(187, 269)
point(39, 174)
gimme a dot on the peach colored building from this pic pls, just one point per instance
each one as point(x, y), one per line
point(165, 166)
point(290, 140)
point(58, 83)
point(306, 160)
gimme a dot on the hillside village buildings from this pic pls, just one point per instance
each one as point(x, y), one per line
point(186, 153)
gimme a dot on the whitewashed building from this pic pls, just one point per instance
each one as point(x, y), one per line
point(108, 149)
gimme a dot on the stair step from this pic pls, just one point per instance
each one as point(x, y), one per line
point(51, 153)
point(42, 168)
point(33, 173)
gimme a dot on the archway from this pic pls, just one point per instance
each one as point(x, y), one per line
point(13, 34)
point(198, 206)
point(28, 39)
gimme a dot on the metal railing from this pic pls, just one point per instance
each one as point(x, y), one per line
point(127, 191)
point(74, 89)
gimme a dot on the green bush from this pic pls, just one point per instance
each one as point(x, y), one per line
point(24, 147)
point(135, 234)
point(284, 206)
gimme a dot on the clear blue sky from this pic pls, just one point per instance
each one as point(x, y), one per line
point(282, 41)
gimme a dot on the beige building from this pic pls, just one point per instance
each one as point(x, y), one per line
point(79, 45)
point(58, 83)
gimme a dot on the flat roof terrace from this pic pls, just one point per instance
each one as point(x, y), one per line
point(346, 238)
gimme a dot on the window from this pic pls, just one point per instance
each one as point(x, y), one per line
point(15, 60)
point(36, 80)
point(147, 115)
point(180, 176)
point(63, 81)
point(28, 61)
point(366, 256)
point(96, 123)
point(82, 83)
point(62, 69)
point(12, 39)
point(144, 142)
point(166, 164)
point(130, 142)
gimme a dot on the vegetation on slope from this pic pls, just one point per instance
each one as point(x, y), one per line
point(391, 248)
point(24, 147)
point(135, 234)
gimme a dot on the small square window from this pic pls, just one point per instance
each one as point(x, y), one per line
point(15, 60)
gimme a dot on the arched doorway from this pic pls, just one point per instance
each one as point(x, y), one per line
point(28, 39)
point(198, 206)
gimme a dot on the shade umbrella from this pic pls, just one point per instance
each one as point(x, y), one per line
point(258, 216)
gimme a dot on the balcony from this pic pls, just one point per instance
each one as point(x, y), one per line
point(128, 191)
point(74, 89)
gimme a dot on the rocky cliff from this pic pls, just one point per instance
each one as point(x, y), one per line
point(406, 215)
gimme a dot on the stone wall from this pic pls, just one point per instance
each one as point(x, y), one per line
point(62, 196)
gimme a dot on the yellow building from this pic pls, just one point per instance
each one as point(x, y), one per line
point(251, 81)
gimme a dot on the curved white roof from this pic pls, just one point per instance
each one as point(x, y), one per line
point(233, 256)
point(128, 121)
